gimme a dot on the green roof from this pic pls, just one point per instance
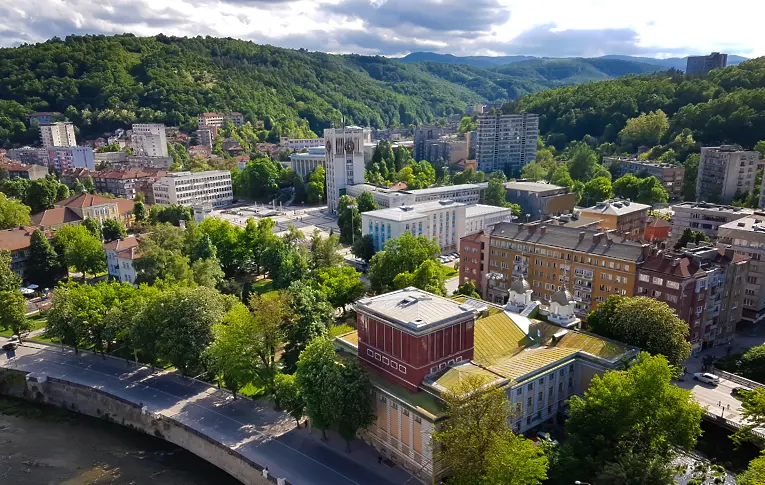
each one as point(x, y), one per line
point(423, 401)
point(455, 374)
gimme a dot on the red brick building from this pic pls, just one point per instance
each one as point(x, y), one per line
point(657, 230)
point(473, 259)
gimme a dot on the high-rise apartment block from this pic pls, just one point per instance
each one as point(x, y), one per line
point(725, 173)
point(746, 236)
point(423, 135)
point(193, 188)
point(704, 64)
point(149, 139)
point(506, 142)
point(67, 158)
point(59, 134)
point(344, 160)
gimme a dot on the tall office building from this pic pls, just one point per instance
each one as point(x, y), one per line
point(725, 172)
point(344, 160)
point(59, 134)
point(149, 139)
point(704, 64)
point(422, 137)
point(506, 141)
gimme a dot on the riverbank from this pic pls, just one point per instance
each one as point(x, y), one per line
point(44, 445)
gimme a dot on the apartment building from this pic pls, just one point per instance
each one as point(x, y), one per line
point(67, 158)
point(126, 184)
point(416, 346)
point(746, 236)
point(540, 200)
point(423, 136)
point(670, 176)
point(28, 155)
point(592, 265)
point(304, 143)
point(705, 217)
point(192, 188)
point(125, 161)
point(19, 170)
point(149, 139)
point(306, 163)
point(206, 136)
point(705, 287)
point(120, 255)
point(60, 134)
point(43, 117)
point(627, 219)
point(16, 241)
point(344, 160)
point(704, 64)
point(506, 142)
point(449, 150)
point(725, 173)
point(217, 119)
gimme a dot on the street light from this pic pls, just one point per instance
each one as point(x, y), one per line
point(352, 207)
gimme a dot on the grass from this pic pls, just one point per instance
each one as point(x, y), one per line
point(36, 322)
point(336, 330)
point(449, 272)
point(252, 391)
point(263, 286)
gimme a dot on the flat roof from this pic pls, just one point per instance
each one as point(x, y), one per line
point(750, 223)
point(713, 207)
point(532, 186)
point(409, 212)
point(482, 209)
point(449, 188)
point(615, 207)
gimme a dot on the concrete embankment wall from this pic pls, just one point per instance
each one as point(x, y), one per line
point(103, 405)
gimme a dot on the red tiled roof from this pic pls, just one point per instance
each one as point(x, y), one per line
point(55, 217)
point(84, 200)
point(131, 253)
point(122, 244)
point(124, 205)
point(659, 222)
point(16, 238)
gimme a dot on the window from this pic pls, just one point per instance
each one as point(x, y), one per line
point(383, 399)
point(385, 361)
point(540, 396)
point(542, 381)
point(417, 419)
point(402, 369)
point(370, 353)
point(673, 285)
point(394, 405)
point(531, 386)
point(405, 412)
point(658, 281)
point(519, 391)
point(377, 356)
point(530, 402)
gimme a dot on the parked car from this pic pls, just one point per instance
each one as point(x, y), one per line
point(543, 436)
point(707, 378)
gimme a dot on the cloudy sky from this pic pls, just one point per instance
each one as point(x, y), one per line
point(655, 28)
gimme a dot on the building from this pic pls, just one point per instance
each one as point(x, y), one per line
point(423, 136)
point(29, 172)
point(304, 143)
point(191, 188)
point(344, 161)
point(149, 139)
point(306, 163)
point(66, 158)
point(704, 64)
point(704, 285)
point(77, 208)
point(417, 346)
point(16, 241)
point(657, 229)
point(29, 156)
point(43, 117)
point(59, 134)
point(443, 221)
point(391, 197)
point(206, 136)
point(125, 184)
point(506, 142)
point(725, 173)
point(447, 149)
point(670, 176)
point(591, 264)
point(125, 161)
point(200, 151)
point(746, 236)
point(540, 200)
point(217, 119)
point(704, 217)
point(627, 218)
point(120, 255)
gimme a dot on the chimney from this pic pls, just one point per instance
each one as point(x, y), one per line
point(675, 262)
point(581, 236)
point(646, 251)
point(542, 230)
point(729, 252)
point(596, 237)
point(531, 228)
point(609, 242)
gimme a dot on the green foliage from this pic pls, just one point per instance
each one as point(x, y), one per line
point(225, 237)
point(752, 363)
point(467, 289)
point(534, 171)
point(582, 162)
point(9, 280)
point(428, 276)
point(364, 247)
point(316, 192)
point(496, 193)
point(12, 213)
point(80, 249)
point(597, 190)
point(468, 176)
point(43, 265)
point(288, 397)
point(646, 129)
point(561, 177)
point(467, 123)
point(42, 194)
point(13, 307)
point(112, 230)
point(366, 202)
point(139, 211)
point(647, 190)
point(313, 314)
point(354, 400)
point(324, 252)
point(316, 371)
point(752, 414)
point(94, 227)
point(401, 255)
point(643, 322)
point(172, 214)
point(342, 285)
point(754, 474)
point(348, 219)
point(690, 236)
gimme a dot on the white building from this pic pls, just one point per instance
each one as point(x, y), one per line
point(193, 188)
point(725, 172)
point(120, 255)
point(306, 163)
point(443, 221)
point(206, 135)
point(704, 217)
point(384, 197)
point(344, 160)
point(300, 143)
point(65, 158)
point(149, 139)
point(60, 134)
point(217, 119)
point(506, 141)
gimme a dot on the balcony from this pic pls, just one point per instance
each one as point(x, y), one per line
point(583, 288)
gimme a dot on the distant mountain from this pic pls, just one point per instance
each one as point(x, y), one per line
point(489, 61)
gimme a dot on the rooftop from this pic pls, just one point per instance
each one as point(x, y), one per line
point(688, 262)
point(648, 163)
point(712, 207)
point(16, 238)
point(409, 212)
point(615, 207)
point(85, 200)
point(449, 188)
point(476, 210)
point(55, 217)
point(122, 244)
point(532, 186)
point(750, 223)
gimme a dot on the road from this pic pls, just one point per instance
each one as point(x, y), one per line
point(717, 399)
point(251, 427)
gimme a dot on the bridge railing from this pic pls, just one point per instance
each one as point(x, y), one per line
point(737, 379)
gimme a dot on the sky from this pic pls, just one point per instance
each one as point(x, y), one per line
point(556, 28)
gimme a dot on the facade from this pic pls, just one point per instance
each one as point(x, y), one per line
point(670, 176)
point(302, 143)
point(746, 236)
point(540, 200)
point(217, 119)
point(191, 188)
point(704, 285)
point(206, 136)
point(705, 217)
point(76, 209)
point(725, 173)
point(66, 158)
point(43, 117)
point(704, 64)
point(29, 172)
point(344, 161)
point(60, 134)
point(120, 255)
point(149, 139)
point(506, 142)
point(423, 136)
point(200, 151)
point(16, 241)
point(627, 218)
point(125, 161)
point(29, 156)
point(306, 163)
point(390, 197)
point(417, 345)
point(125, 184)
point(657, 229)
point(448, 149)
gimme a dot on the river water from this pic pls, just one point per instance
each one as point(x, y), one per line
point(41, 445)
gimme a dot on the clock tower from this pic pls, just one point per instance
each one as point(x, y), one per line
point(344, 160)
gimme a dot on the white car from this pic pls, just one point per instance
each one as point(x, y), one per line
point(707, 378)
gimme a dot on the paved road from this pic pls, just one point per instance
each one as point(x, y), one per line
point(252, 428)
point(717, 399)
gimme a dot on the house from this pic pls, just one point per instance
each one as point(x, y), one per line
point(75, 209)
point(20, 170)
point(17, 241)
point(120, 255)
point(626, 217)
point(657, 229)
point(200, 150)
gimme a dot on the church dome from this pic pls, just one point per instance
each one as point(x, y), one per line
point(520, 286)
point(562, 297)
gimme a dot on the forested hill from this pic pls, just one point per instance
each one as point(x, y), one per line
point(103, 83)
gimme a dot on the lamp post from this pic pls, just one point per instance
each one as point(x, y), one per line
point(352, 207)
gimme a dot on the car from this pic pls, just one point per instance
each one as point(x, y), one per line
point(10, 346)
point(547, 437)
point(707, 378)
point(738, 391)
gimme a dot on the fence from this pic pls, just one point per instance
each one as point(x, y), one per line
point(737, 379)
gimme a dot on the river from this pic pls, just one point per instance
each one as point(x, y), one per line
point(42, 445)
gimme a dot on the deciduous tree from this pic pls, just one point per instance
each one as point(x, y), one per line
point(288, 397)
point(312, 315)
point(12, 213)
point(364, 247)
point(9, 280)
point(402, 254)
point(366, 202)
point(230, 352)
point(112, 230)
point(13, 307)
point(354, 401)
point(341, 284)
point(43, 265)
point(315, 369)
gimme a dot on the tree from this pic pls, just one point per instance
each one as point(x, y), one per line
point(582, 162)
point(354, 401)
point(13, 307)
point(230, 353)
point(207, 272)
point(171, 214)
point(94, 227)
point(754, 474)
point(402, 254)
point(68, 316)
point(316, 369)
point(201, 248)
point(468, 176)
point(316, 189)
point(752, 363)
point(647, 190)
point(561, 177)
point(476, 444)
point(467, 289)
point(256, 239)
point(467, 123)
point(366, 202)
point(534, 171)
point(690, 236)
point(312, 316)
point(12, 213)
point(9, 280)
point(139, 211)
point(341, 285)
point(597, 190)
point(496, 193)
point(43, 266)
point(42, 194)
point(271, 315)
point(691, 166)
point(364, 247)
point(644, 322)
point(15, 188)
point(429, 276)
point(288, 397)
point(259, 180)
point(627, 413)
point(646, 129)
point(301, 192)
point(225, 237)
point(324, 252)
point(80, 249)
point(348, 219)
point(112, 230)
